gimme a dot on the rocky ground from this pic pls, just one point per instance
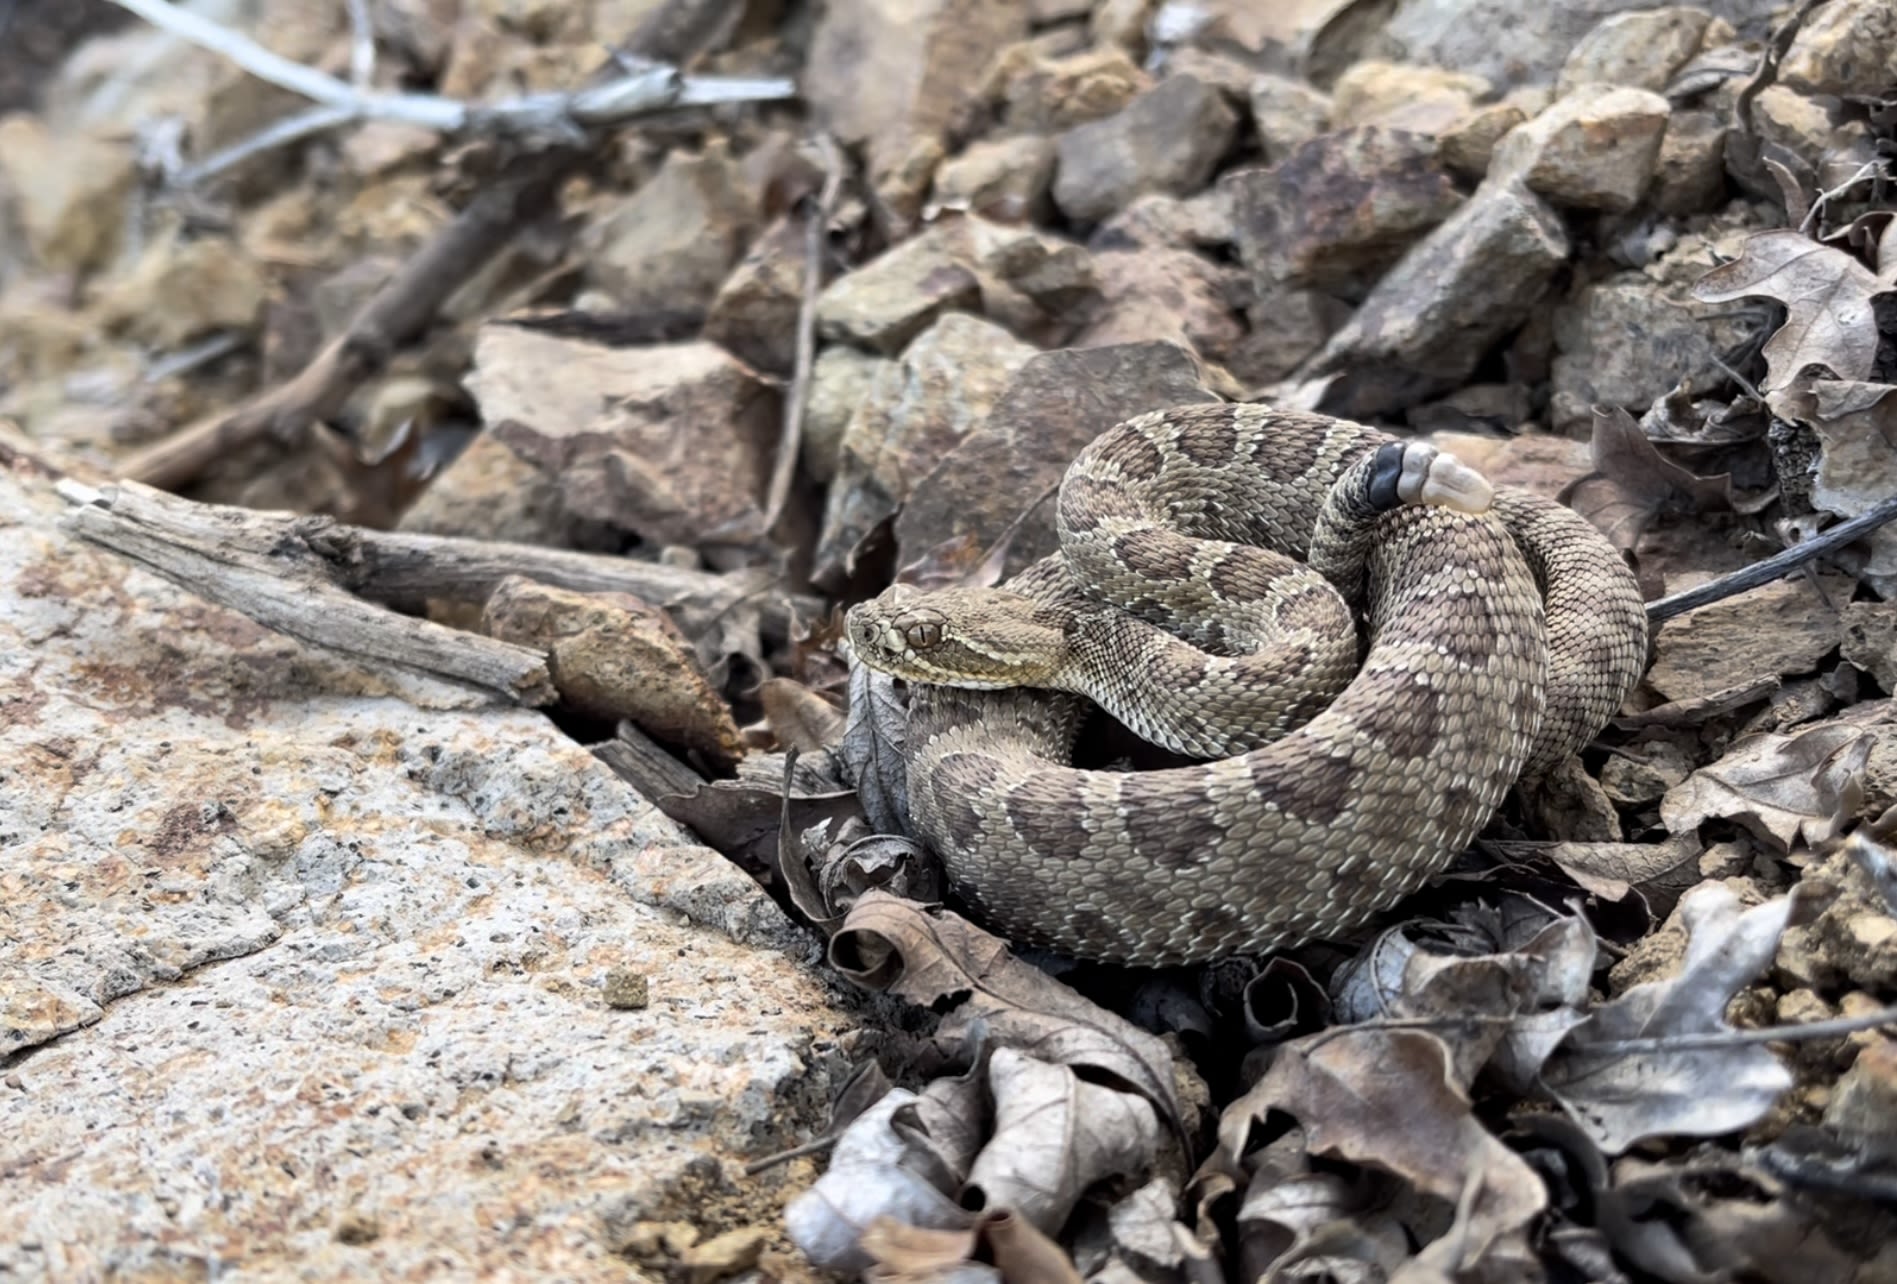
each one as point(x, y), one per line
point(398, 884)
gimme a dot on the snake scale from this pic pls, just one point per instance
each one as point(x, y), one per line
point(1502, 632)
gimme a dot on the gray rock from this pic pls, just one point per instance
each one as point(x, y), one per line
point(1169, 139)
point(1844, 47)
point(1640, 50)
point(1288, 114)
point(1689, 177)
point(1596, 148)
point(1515, 44)
point(1340, 209)
point(314, 970)
point(754, 314)
point(912, 415)
point(667, 248)
point(1055, 404)
point(839, 380)
point(890, 74)
point(671, 441)
point(1627, 340)
point(1430, 320)
point(899, 293)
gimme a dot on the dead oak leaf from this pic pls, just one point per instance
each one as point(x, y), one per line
point(1056, 1136)
point(938, 958)
point(1387, 1099)
point(1780, 787)
point(1827, 295)
point(1637, 1067)
point(1856, 424)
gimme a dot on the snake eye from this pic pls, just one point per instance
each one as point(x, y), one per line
point(921, 629)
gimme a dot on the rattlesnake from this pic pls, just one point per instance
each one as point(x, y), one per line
point(1500, 641)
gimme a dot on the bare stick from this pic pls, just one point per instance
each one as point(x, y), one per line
point(1834, 1028)
point(1774, 567)
point(397, 313)
point(361, 44)
point(212, 551)
point(656, 87)
point(400, 568)
point(790, 441)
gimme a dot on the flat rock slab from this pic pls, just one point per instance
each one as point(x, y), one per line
point(300, 977)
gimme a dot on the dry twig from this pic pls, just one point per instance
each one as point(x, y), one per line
point(564, 116)
point(816, 228)
point(1772, 568)
point(397, 313)
point(215, 552)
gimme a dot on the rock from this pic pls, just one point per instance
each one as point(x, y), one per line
point(754, 313)
point(1120, 23)
point(1006, 179)
point(666, 249)
point(1043, 95)
point(1200, 221)
point(268, 915)
point(1468, 145)
point(1285, 327)
point(1169, 139)
point(1418, 100)
point(67, 193)
point(1641, 49)
point(1037, 284)
point(1863, 1111)
point(896, 295)
point(184, 290)
point(1844, 47)
point(1870, 640)
point(1490, 38)
point(1429, 321)
point(1594, 149)
point(671, 441)
point(1056, 403)
point(913, 415)
point(1288, 113)
point(1628, 339)
point(489, 492)
point(1339, 210)
point(1641, 775)
point(1164, 293)
point(1774, 631)
point(1801, 124)
point(839, 381)
point(889, 75)
point(613, 656)
point(1690, 175)
point(1495, 407)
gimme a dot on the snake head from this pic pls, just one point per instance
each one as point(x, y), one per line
point(977, 638)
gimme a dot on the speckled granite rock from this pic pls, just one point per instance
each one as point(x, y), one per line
point(302, 977)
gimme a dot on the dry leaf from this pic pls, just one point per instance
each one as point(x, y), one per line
point(1386, 1099)
point(870, 1177)
point(870, 752)
point(1055, 1136)
point(1827, 296)
point(1783, 788)
point(1856, 425)
point(928, 957)
point(799, 717)
point(1620, 1096)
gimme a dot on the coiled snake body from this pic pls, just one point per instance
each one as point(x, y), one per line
point(1499, 640)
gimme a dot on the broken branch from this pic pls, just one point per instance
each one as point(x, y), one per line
point(217, 553)
point(1772, 568)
